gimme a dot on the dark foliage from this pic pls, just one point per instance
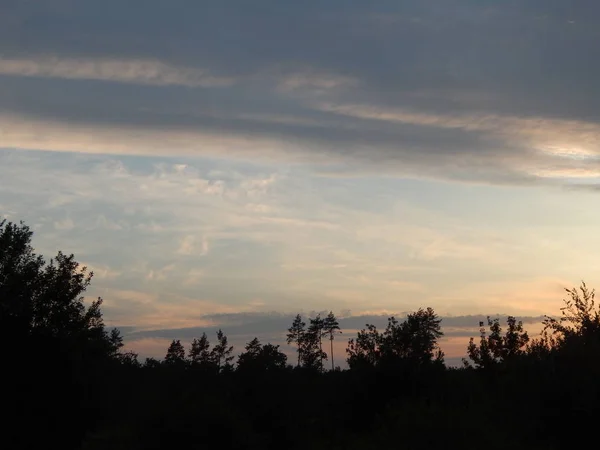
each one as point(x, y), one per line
point(258, 359)
point(57, 352)
point(410, 344)
point(495, 349)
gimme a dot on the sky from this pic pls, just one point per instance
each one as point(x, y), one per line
point(231, 164)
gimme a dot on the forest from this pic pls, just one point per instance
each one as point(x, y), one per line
point(69, 384)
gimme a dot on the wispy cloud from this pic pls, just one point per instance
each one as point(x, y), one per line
point(579, 138)
point(122, 71)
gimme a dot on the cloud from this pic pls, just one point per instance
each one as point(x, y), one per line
point(275, 324)
point(189, 246)
point(183, 226)
point(122, 71)
point(315, 81)
point(462, 90)
point(561, 138)
point(155, 311)
point(101, 271)
point(66, 224)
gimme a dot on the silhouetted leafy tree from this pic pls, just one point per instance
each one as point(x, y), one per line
point(261, 358)
point(295, 335)
point(415, 340)
point(573, 361)
point(20, 271)
point(42, 308)
point(175, 354)
point(45, 300)
point(496, 348)
point(363, 352)
point(331, 327)
point(273, 357)
point(221, 352)
point(579, 322)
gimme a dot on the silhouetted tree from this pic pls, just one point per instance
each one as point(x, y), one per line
point(496, 348)
point(415, 340)
point(42, 309)
point(253, 349)
point(295, 335)
point(261, 358)
point(331, 327)
point(40, 300)
point(199, 353)
point(175, 354)
point(20, 270)
point(579, 321)
point(316, 329)
point(311, 351)
point(363, 352)
point(273, 357)
point(116, 344)
point(572, 360)
point(221, 352)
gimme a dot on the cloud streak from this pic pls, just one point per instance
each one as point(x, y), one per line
point(154, 73)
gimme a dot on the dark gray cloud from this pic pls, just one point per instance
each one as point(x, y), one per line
point(274, 325)
point(400, 46)
point(274, 64)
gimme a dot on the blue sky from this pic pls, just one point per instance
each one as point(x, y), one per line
point(218, 163)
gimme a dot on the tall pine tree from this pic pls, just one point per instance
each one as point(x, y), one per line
point(221, 352)
point(296, 334)
point(331, 327)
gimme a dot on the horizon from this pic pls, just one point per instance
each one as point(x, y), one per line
point(223, 166)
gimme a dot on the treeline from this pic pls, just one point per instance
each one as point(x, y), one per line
point(412, 342)
point(68, 382)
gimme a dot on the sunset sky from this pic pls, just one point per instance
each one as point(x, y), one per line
point(231, 163)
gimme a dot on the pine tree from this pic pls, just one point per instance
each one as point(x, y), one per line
point(221, 352)
point(296, 335)
point(199, 353)
point(316, 329)
point(331, 327)
point(312, 345)
point(175, 354)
